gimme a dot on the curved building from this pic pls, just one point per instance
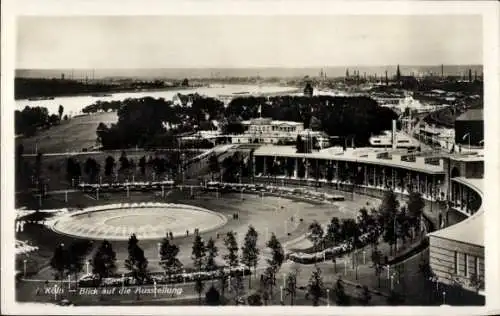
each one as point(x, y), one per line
point(457, 247)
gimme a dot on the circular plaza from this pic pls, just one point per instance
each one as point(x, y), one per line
point(146, 220)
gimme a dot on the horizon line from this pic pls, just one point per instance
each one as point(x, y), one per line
point(256, 67)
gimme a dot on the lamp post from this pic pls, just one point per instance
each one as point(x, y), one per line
point(154, 285)
point(66, 196)
point(123, 281)
point(388, 267)
point(55, 292)
point(25, 261)
point(392, 282)
point(87, 264)
point(444, 297)
point(364, 257)
point(327, 297)
point(281, 295)
point(159, 250)
point(184, 275)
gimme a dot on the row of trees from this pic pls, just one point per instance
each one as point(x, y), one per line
point(149, 122)
point(160, 163)
point(334, 115)
point(389, 221)
point(154, 122)
point(30, 119)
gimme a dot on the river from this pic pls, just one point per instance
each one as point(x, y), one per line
point(73, 105)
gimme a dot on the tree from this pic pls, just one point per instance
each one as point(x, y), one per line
point(255, 299)
point(299, 144)
point(185, 83)
point(59, 261)
point(232, 247)
point(266, 284)
point(124, 163)
point(212, 253)
point(315, 234)
point(333, 232)
point(77, 253)
point(388, 211)
point(213, 163)
point(60, 111)
point(315, 124)
point(199, 252)
point(168, 257)
point(198, 287)
point(316, 288)
point(237, 287)
point(136, 261)
point(329, 172)
point(416, 206)
point(109, 165)
point(341, 297)
point(142, 165)
point(250, 252)
point(212, 297)
point(277, 258)
point(104, 261)
point(291, 286)
point(92, 169)
point(378, 265)
point(365, 296)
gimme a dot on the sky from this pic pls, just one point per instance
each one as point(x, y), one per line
point(246, 41)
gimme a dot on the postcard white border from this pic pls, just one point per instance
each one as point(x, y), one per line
point(488, 9)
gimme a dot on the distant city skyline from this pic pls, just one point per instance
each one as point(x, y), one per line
point(176, 73)
point(138, 42)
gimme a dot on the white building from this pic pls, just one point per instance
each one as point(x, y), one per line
point(267, 131)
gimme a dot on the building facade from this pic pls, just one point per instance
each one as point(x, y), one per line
point(268, 131)
point(455, 255)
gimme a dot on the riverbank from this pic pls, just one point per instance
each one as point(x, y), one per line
point(104, 93)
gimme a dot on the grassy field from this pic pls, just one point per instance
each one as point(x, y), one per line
point(73, 135)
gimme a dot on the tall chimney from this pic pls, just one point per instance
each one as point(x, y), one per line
point(394, 142)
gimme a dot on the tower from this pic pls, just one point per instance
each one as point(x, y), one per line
point(398, 75)
point(347, 73)
point(470, 75)
point(386, 79)
point(442, 71)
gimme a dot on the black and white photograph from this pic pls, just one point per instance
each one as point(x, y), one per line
point(318, 160)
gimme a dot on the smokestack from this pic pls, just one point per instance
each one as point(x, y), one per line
point(394, 134)
point(442, 71)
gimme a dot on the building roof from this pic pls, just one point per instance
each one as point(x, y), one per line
point(362, 155)
point(470, 230)
point(472, 115)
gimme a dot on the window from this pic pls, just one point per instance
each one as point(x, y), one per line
point(455, 263)
point(476, 266)
point(466, 272)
